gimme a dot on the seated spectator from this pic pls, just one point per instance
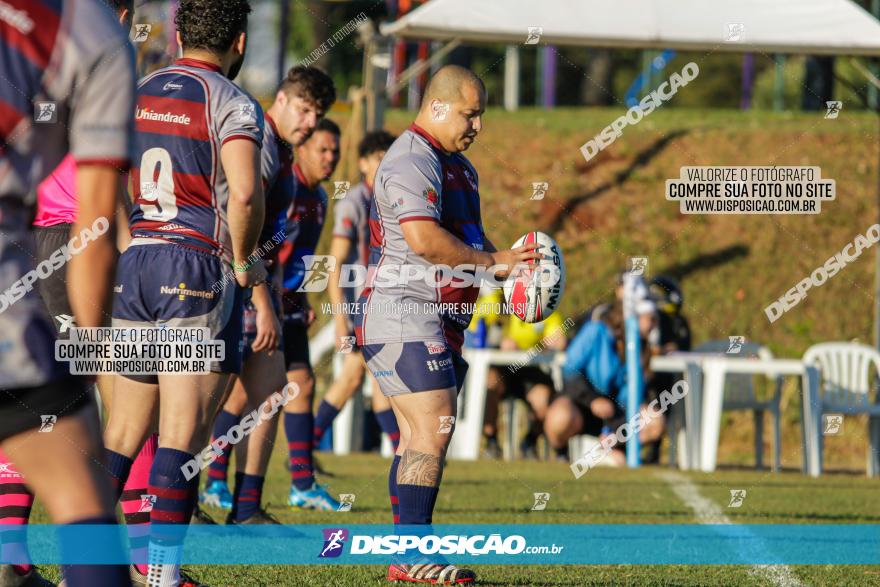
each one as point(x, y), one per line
point(674, 330)
point(593, 399)
point(673, 334)
point(530, 384)
point(491, 329)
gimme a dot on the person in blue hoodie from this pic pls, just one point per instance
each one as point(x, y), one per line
point(593, 399)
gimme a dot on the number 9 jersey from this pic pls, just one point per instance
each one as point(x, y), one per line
point(185, 112)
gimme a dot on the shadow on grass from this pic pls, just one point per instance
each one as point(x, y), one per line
point(706, 261)
point(557, 216)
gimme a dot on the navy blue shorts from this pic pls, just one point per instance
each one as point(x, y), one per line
point(296, 345)
point(410, 367)
point(183, 288)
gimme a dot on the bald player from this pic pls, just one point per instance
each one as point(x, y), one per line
point(426, 212)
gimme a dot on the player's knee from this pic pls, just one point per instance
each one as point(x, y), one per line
point(349, 382)
point(438, 436)
point(305, 381)
point(121, 438)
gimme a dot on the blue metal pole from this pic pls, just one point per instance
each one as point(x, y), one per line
point(634, 383)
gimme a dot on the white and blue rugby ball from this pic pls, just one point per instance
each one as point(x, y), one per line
point(534, 292)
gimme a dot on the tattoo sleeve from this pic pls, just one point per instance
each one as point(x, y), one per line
point(419, 468)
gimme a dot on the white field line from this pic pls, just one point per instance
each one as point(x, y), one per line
point(709, 512)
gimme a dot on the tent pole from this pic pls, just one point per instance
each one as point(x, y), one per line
point(872, 91)
point(548, 56)
point(779, 85)
point(511, 78)
point(647, 72)
point(748, 81)
point(284, 24)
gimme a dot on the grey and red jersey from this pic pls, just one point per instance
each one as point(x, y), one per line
point(276, 162)
point(185, 113)
point(68, 86)
point(417, 180)
point(351, 220)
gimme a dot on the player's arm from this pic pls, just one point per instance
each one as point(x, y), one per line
point(437, 245)
point(268, 327)
point(100, 133)
point(123, 210)
point(245, 211)
point(92, 271)
point(340, 247)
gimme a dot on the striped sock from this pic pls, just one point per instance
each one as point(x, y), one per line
point(175, 501)
point(392, 489)
point(239, 477)
point(299, 429)
point(15, 510)
point(249, 496)
point(324, 419)
point(119, 467)
point(174, 494)
point(217, 470)
point(136, 503)
point(388, 424)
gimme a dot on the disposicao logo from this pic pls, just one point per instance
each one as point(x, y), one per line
point(334, 539)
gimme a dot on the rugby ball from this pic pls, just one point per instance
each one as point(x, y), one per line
point(534, 292)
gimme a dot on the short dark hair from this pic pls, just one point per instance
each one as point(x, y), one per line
point(375, 142)
point(211, 24)
point(311, 84)
point(327, 125)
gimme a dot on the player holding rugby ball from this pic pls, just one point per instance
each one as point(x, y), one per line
point(426, 212)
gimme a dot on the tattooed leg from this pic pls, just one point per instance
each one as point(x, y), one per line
point(419, 468)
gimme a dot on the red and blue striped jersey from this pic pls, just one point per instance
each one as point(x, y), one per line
point(305, 220)
point(185, 113)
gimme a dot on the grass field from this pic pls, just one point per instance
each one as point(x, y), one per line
point(494, 492)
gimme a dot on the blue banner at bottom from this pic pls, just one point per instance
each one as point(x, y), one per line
point(352, 544)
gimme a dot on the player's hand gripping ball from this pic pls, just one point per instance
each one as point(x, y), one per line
point(534, 291)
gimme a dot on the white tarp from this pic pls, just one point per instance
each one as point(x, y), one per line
point(772, 26)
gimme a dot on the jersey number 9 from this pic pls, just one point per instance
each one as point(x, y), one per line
point(157, 197)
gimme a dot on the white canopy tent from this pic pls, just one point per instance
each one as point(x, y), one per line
point(814, 27)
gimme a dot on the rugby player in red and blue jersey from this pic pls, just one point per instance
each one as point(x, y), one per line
point(351, 245)
point(316, 160)
point(426, 212)
point(304, 96)
point(198, 207)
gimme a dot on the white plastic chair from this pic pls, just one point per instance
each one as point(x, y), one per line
point(739, 394)
point(848, 374)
